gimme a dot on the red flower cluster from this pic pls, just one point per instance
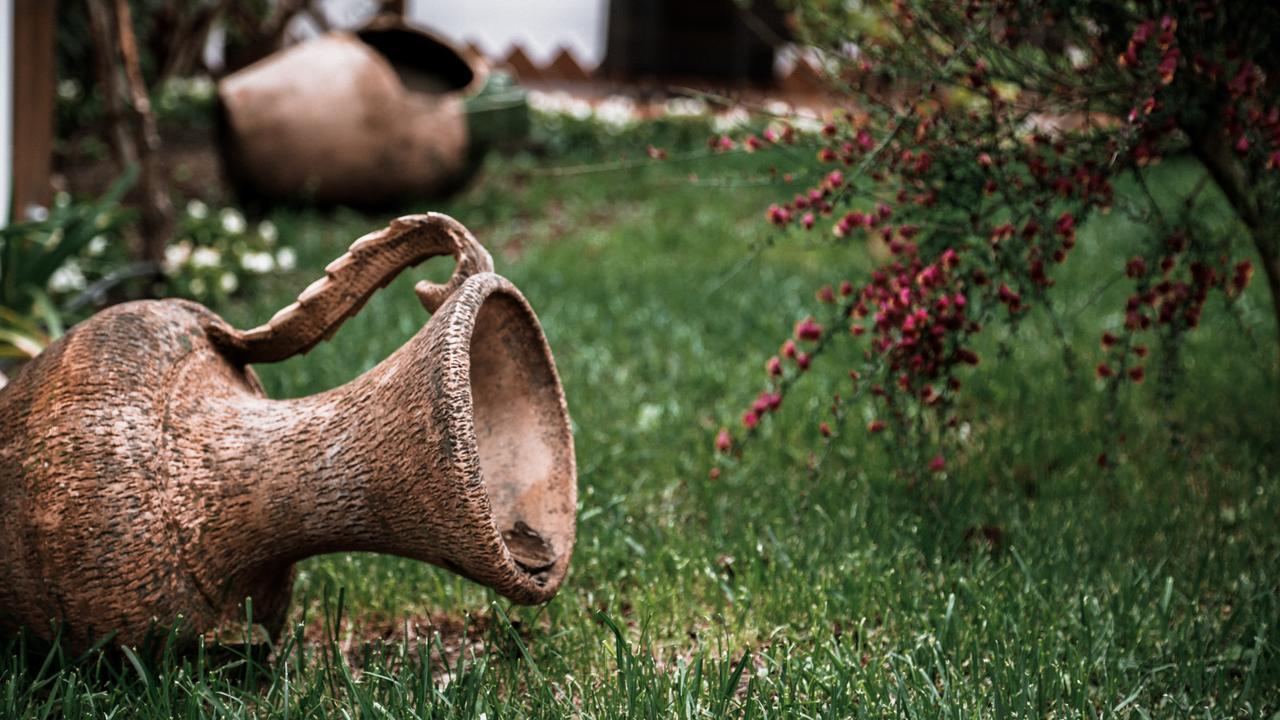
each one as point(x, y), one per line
point(919, 322)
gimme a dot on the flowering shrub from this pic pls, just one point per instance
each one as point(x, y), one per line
point(977, 137)
point(218, 253)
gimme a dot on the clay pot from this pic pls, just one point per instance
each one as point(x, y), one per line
point(145, 478)
point(366, 119)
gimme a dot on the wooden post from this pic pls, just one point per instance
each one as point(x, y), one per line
point(34, 78)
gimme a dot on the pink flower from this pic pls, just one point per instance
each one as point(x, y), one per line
point(809, 330)
point(1242, 145)
point(864, 140)
point(807, 221)
point(724, 441)
point(938, 463)
point(826, 294)
point(1066, 225)
point(774, 366)
point(825, 429)
point(778, 215)
point(875, 426)
point(750, 419)
point(761, 405)
point(1243, 274)
point(1136, 268)
point(802, 361)
point(789, 349)
point(1168, 66)
point(1009, 297)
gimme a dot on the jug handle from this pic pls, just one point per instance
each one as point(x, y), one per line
point(371, 262)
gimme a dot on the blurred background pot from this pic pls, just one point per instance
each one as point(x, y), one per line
point(384, 115)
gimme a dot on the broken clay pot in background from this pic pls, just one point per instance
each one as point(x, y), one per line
point(385, 115)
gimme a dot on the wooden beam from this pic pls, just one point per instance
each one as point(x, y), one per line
point(34, 78)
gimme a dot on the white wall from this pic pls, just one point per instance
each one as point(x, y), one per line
point(541, 26)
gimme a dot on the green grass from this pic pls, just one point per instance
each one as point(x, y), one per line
point(800, 583)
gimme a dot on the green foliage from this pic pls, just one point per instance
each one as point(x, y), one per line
point(41, 258)
point(186, 102)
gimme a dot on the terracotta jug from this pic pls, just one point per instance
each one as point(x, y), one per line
point(356, 118)
point(146, 480)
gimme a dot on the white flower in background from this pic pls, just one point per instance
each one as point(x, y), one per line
point(68, 90)
point(579, 109)
point(731, 120)
point(67, 278)
point(197, 286)
point(97, 245)
point(205, 257)
point(232, 221)
point(781, 108)
point(177, 255)
point(560, 103)
point(228, 282)
point(807, 121)
point(268, 232)
point(201, 87)
point(258, 262)
point(548, 102)
point(197, 209)
point(1079, 57)
point(686, 107)
point(286, 259)
point(616, 111)
point(649, 416)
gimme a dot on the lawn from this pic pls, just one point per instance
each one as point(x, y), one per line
point(807, 580)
